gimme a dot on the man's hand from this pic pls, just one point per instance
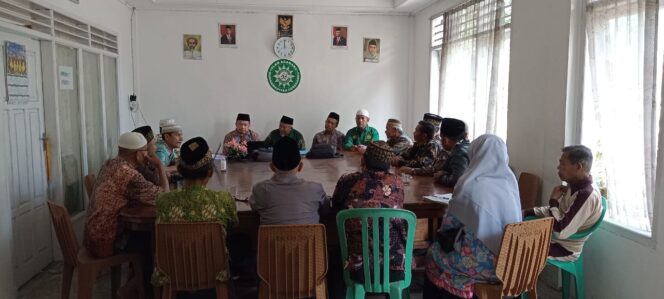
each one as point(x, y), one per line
point(558, 192)
point(154, 160)
point(361, 148)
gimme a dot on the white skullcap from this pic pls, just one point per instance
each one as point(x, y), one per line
point(168, 125)
point(362, 112)
point(132, 141)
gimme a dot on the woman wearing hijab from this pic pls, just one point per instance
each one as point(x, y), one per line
point(486, 198)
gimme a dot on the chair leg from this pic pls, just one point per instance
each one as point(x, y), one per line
point(67, 274)
point(167, 292)
point(86, 282)
point(358, 292)
point(565, 277)
point(116, 276)
point(578, 281)
point(396, 293)
point(222, 290)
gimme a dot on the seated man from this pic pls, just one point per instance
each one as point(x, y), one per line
point(575, 207)
point(171, 138)
point(396, 139)
point(149, 169)
point(447, 169)
point(423, 153)
point(330, 135)
point(242, 133)
point(373, 187)
point(285, 198)
point(118, 184)
point(357, 138)
point(285, 129)
point(435, 120)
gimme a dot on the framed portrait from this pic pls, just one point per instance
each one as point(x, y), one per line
point(284, 26)
point(192, 47)
point(371, 50)
point(227, 35)
point(339, 37)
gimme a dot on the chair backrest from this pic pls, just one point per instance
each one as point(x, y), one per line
point(589, 231)
point(89, 184)
point(530, 188)
point(65, 233)
point(190, 255)
point(292, 260)
point(523, 253)
point(380, 221)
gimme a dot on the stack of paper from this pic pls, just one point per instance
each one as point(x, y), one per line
point(441, 198)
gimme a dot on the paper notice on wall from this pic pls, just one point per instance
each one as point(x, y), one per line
point(66, 77)
point(18, 91)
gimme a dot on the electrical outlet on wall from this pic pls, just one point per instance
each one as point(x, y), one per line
point(133, 103)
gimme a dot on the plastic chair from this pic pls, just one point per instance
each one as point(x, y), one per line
point(523, 253)
point(575, 268)
point(530, 188)
point(292, 261)
point(89, 184)
point(88, 265)
point(192, 256)
point(396, 289)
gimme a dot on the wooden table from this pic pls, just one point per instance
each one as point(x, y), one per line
point(241, 176)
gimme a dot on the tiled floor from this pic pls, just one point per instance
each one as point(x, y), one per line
point(46, 285)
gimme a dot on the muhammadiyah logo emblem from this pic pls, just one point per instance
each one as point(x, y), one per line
point(283, 76)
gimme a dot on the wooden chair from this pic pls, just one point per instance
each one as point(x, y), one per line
point(90, 184)
point(530, 188)
point(192, 256)
point(88, 265)
point(292, 261)
point(522, 257)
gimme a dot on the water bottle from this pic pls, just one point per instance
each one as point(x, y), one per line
point(222, 163)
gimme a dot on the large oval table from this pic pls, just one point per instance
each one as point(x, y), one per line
point(241, 176)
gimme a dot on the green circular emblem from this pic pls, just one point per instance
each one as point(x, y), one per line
point(283, 75)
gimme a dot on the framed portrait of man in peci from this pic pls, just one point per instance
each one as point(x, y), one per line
point(227, 36)
point(339, 37)
point(371, 50)
point(192, 47)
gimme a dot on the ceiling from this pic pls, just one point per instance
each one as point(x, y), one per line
point(340, 6)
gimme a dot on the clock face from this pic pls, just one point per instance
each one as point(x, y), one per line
point(284, 47)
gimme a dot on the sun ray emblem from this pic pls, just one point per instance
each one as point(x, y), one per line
point(283, 76)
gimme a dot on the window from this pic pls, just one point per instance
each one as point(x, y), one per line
point(621, 104)
point(470, 65)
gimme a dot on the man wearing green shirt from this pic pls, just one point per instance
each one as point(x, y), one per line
point(357, 138)
point(285, 129)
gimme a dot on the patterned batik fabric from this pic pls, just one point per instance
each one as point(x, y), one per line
point(400, 144)
point(118, 184)
point(457, 271)
point(335, 139)
point(420, 155)
point(370, 189)
point(240, 138)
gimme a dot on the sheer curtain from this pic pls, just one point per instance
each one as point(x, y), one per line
point(94, 117)
point(621, 96)
point(474, 69)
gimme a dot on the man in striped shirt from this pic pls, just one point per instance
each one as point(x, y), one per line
point(575, 207)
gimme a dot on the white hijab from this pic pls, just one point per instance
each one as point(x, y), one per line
point(486, 197)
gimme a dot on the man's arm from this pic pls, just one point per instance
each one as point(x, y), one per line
point(348, 144)
point(456, 164)
point(374, 134)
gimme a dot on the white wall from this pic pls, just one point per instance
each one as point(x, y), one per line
point(205, 96)
point(616, 266)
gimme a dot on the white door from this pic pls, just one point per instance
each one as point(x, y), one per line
point(31, 222)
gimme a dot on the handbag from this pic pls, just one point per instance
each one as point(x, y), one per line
point(322, 151)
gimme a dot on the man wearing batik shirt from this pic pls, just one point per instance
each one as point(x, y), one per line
point(118, 184)
point(357, 138)
point(242, 133)
point(435, 120)
point(373, 187)
point(425, 150)
point(330, 135)
point(285, 130)
point(575, 207)
point(396, 139)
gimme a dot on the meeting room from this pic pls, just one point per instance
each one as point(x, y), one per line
point(331, 149)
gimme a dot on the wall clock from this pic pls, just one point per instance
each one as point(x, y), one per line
point(284, 47)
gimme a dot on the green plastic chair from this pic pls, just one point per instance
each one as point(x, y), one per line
point(396, 289)
point(575, 268)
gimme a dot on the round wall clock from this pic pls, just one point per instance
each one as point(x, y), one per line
point(284, 47)
point(283, 76)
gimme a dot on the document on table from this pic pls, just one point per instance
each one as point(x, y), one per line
point(441, 198)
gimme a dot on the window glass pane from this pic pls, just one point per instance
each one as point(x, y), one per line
point(69, 116)
point(111, 104)
point(93, 112)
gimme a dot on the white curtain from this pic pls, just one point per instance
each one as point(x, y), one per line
point(621, 96)
point(474, 71)
point(94, 113)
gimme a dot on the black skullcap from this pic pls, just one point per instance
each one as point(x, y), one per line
point(434, 119)
point(146, 131)
point(286, 120)
point(243, 116)
point(195, 153)
point(286, 154)
point(334, 115)
point(453, 128)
